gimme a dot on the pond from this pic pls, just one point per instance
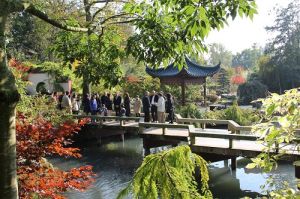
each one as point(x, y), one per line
point(115, 162)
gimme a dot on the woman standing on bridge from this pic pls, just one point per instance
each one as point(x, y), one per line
point(161, 108)
point(137, 106)
point(170, 108)
point(108, 104)
point(127, 104)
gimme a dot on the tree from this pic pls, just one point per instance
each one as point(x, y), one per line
point(218, 53)
point(247, 58)
point(283, 64)
point(36, 176)
point(103, 65)
point(250, 91)
point(223, 82)
point(168, 30)
point(9, 97)
point(169, 174)
point(281, 119)
point(269, 74)
point(43, 132)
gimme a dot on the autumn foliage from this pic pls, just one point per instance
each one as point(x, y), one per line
point(37, 140)
point(13, 63)
point(238, 79)
point(132, 79)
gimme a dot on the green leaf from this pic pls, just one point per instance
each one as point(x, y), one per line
point(194, 29)
point(270, 109)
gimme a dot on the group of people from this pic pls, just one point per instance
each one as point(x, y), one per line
point(66, 101)
point(155, 105)
point(105, 104)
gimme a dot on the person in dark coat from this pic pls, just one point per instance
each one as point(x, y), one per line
point(153, 102)
point(99, 104)
point(146, 106)
point(104, 98)
point(170, 108)
point(127, 104)
point(86, 104)
point(108, 104)
point(117, 103)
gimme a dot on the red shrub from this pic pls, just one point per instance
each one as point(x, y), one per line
point(36, 176)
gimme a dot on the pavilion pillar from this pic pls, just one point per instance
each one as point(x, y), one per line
point(182, 93)
point(204, 91)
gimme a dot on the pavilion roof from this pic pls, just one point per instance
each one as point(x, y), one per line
point(190, 69)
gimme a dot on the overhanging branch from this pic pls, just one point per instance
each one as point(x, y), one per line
point(107, 1)
point(32, 10)
point(99, 10)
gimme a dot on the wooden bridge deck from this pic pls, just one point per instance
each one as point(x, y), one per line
point(234, 141)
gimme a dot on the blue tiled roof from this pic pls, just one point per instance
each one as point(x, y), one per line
point(191, 69)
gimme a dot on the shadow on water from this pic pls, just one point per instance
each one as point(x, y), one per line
point(114, 162)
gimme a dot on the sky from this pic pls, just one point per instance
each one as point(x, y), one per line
point(242, 33)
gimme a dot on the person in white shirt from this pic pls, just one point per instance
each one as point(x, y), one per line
point(161, 108)
point(75, 106)
point(66, 102)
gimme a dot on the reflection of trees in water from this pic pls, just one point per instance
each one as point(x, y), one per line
point(224, 184)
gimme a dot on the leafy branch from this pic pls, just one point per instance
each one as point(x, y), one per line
point(169, 174)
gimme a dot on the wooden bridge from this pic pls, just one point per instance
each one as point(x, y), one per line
point(214, 139)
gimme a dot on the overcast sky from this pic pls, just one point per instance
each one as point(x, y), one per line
point(242, 33)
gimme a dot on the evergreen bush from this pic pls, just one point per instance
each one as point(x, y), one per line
point(169, 174)
point(189, 111)
point(250, 91)
point(241, 116)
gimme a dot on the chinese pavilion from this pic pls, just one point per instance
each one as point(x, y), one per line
point(191, 73)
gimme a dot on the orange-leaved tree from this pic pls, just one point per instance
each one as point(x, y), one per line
point(43, 131)
point(38, 177)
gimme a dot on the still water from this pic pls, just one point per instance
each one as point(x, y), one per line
point(115, 162)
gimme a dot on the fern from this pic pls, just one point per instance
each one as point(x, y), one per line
point(169, 174)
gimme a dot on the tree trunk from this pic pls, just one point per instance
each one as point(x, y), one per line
point(204, 92)
point(86, 86)
point(8, 99)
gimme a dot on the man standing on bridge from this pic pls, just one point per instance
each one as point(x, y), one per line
point(153, 101)
point(146, 107)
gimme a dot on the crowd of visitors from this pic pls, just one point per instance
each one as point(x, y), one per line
point(155, 105)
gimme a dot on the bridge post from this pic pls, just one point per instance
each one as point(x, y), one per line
point(297, 171)
point(99, 141)
point(146, 151)
point(276, 147)
point(230, 143)
point(163, 130)
point(122, 137)
point(226, 163)
point(233, 163)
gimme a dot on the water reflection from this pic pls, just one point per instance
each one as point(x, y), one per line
point(115, 162)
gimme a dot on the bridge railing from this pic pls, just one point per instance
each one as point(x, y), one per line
point(163, 126)
point(229, 137)
point(232, 126)
point(101, 119)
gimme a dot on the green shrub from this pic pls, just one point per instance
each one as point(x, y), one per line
point(243, 117)
point(212, 98)
point(189, 111)
point(250, 91)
